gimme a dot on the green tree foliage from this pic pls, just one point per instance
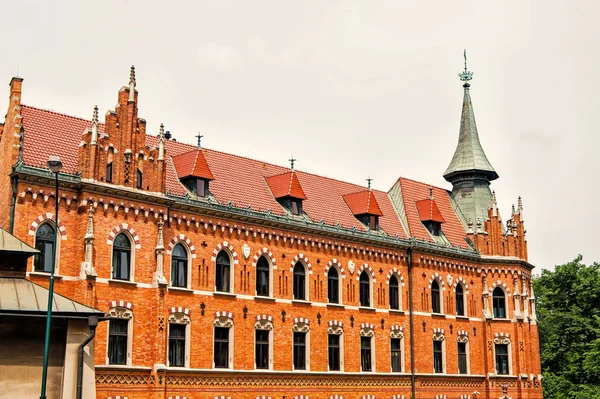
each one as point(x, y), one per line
point(568, 310)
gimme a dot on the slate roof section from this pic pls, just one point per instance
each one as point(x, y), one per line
point(469, 155)
point(192, 163)
point(10, 243)
point(363, 202)
point(286, 185)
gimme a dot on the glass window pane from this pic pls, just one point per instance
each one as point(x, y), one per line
point(334, 352)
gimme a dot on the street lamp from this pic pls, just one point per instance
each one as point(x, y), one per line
point(55, 165)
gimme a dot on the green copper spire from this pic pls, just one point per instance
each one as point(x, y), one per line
point(469, 156)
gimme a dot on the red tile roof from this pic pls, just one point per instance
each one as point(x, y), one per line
point(412, 192)
point(363, 202)
point(286, 185)
point(192, 163)
point(243, 181)
point(428, 210)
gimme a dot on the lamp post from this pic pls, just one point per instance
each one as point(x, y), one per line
point(55, 165)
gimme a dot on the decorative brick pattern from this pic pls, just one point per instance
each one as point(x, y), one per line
point(502, 284)
point(462, 281)
point(301, 320)
point(184, 238)
point(120, 304)
point(41, 219)
point(265, 317)
point(124, 227)
point(335, 262)
point(335, 323)
point(302, 258)
point(229, 247)
point(265, 252)
point(398, 275)
point(440, 280)
point(229, 315)
point(365, 266)
point(180, 309)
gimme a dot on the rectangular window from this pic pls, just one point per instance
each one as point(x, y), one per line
point(117, 341)
point(502, 359)
point(365, 353)
point(438, 365)
point(139, 183)
point(373, 222)
point(177, 345)
point(462, 358)
point(109, 174)
point(299, 351)
point(334, 352)
point(262, 349)
point(201, 187)
point(221, 351)
point(396, 353)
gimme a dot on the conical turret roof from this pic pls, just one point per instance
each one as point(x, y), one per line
point(469, 156)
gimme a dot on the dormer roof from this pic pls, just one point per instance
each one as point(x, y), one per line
point(363, 202)
point(192, 164)
point(429, 211)
point(286, 185)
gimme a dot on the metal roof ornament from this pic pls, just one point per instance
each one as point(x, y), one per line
point(292, 160)
point(94, 139)
point(132, 83)
point(466, 75)
point(369, 180)
point(199, 137)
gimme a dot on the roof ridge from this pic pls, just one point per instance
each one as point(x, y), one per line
point(420, 182)
point(59, 113)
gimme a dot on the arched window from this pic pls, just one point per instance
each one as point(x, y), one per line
point(436, 305)
point(460, 300)
point(121, 260)
point(499, 303)
point(44, 242)
point(299, 281)
point(394, 293)
point(263, 271)
point(365, 289)
point(139, 174)
point(109, 165)
point(179, 266)
point(223, 272)
point(333, 285)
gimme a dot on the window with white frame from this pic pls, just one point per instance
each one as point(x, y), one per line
point(365, 289)
point(122, 257)
point(263, 343)
point(223, 340)
point(367, 347)
point(397, 349)
point(502, 354)
point(301, 344)
point(44, 242)
point(439, 351)
point(333, 285)
point(179, 342)
point(436, 297)
point(179, 266)
point(263, 277)
point(120, 326)
point(463, 352)
point(460, 300)
point(499, 303)
point(223, 272)
point(335, 346)
point(394, 292)
point(300, 286)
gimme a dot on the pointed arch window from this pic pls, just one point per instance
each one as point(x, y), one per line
point(109, 165)
point(223, 272)
point(179, 266)
point(499, 303)
point(299, 282)
point(121, 260)
point(44, 242)
point(460, 300)
point(394, 291)
point(263, 277)
point(333, 285)
point(365, 289)
point(139, 179)
point(436, 301)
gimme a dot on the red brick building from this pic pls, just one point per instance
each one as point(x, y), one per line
point(230, 277)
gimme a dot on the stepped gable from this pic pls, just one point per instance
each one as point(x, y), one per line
point(412, 192)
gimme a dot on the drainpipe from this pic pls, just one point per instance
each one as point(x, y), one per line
point(13, 202)
point(92, 323)
point(410, 312)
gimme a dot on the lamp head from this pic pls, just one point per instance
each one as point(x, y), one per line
point(54, 163)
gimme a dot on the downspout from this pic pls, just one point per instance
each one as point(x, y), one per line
point(410, 312)
point(13, 203)
point(92, 323)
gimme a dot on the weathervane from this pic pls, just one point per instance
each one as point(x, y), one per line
point(199, 136)
point(466, 75)
point(292, 160)
point(369, 180)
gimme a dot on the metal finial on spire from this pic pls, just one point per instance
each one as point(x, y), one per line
point(132, 75)
point(466, 75)
point(95, 116)
point(369, 180)
point(292, 160)
point(199, 137)
point(94, 139)
point(161, 143)
point(132, 84)
point(161, 132)
point(430, 193)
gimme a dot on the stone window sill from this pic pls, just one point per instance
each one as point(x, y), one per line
point(396, 311)
point(301, 302)
point(462, 318)
point(122, 367)
point(264, 298)
point(125, 282)
point(224, 294)
point(366, 309)
point(44, 274)
point(180, 289)
point(438, 315)
point(335, 306)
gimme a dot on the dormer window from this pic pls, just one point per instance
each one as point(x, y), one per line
point(294, 205)
point(435, 228)
point(196, 185)
point(365, 208)
point(371, 221)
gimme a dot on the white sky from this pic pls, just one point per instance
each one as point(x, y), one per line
point(352, 89)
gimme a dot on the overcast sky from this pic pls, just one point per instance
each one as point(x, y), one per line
point(352, 89)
